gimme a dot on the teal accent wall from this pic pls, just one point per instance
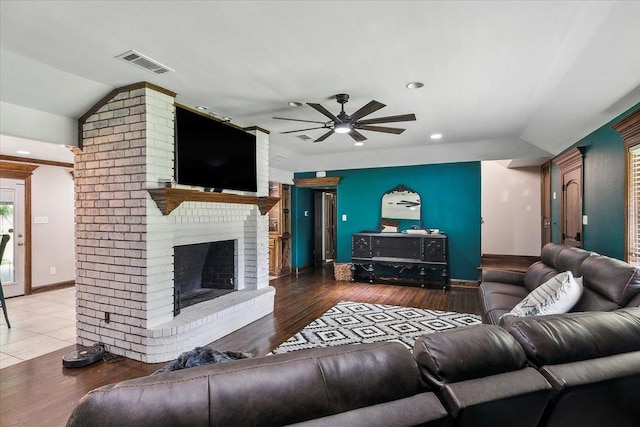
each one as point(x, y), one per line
point(603, 191)
point(450, 195)
point(301, 227)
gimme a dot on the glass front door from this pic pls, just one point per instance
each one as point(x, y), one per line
point(12, 224)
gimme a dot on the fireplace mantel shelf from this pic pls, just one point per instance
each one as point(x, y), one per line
point(168, 199)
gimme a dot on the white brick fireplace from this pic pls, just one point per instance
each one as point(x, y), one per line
point(124, 242)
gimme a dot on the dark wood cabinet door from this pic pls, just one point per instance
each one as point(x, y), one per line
point(360, 246)
point(435, 250)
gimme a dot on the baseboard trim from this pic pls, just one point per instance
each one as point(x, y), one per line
point(508, 262)
point(457, 283)
point(53, 287)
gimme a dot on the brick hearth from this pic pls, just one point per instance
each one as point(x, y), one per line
point(124, 243)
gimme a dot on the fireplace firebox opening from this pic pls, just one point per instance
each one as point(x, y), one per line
point(203, 271)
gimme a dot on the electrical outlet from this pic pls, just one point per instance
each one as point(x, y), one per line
point(107, 317)
point(53, 271)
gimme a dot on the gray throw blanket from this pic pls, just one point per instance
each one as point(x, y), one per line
point(202, 356)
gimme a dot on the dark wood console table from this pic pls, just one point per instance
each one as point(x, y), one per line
point(402, 251)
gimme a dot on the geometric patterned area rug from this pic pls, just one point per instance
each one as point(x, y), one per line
point(354, 322)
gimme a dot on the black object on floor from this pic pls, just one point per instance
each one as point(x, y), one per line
point(83, 356)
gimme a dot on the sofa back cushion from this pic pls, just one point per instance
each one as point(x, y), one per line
point(537, 274)
point(549, 253)
point(565, 338)
point(273, 390)
point(554, 258)
point(608, 284)
point(466, 353)
point(570, 259)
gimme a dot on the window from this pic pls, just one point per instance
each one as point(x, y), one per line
point(629, 129)
point(633, 201)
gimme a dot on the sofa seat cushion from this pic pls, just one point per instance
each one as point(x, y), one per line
point(565, 338)
point(497, 299)
point(557, 295)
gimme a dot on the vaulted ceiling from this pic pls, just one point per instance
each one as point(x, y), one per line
point(502, 80)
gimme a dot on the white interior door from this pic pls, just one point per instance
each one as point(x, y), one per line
point(12, 222)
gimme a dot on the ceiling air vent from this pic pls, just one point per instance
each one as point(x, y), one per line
point(142, 61)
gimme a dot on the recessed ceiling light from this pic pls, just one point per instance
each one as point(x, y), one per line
point(415, 85)
point(23, 152)
point(295, 104)
point(358, 143)
point(436, 136)
point(201, 108)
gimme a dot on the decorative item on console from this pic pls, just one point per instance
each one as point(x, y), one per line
point(402, 206)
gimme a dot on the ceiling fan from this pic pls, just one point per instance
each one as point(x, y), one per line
point(351, 124)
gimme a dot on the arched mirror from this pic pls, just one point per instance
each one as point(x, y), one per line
point(401, 206)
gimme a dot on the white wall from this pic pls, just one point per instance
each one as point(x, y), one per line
point(279, 175)
point(510, 209)
point(52, 242)
point(25, 122)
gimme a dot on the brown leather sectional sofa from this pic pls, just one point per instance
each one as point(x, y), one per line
point(562, 370)
point(609, 284)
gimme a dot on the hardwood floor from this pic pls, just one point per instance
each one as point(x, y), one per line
point(40, 391)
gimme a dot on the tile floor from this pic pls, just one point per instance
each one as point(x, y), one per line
point(40, 323)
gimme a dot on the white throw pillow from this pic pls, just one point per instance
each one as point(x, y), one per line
point(557, 295)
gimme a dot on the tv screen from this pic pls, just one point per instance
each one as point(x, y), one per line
point(213, 154)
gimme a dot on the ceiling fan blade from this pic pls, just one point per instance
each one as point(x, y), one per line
point(371, 107)
point(357, 135)
point(397, 131)
point(302, 130)
point(297, 120)
point(389, 119)
point(319, 108)
point(325, 136)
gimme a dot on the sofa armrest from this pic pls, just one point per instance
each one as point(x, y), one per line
point(515, 398)
point(503, 276)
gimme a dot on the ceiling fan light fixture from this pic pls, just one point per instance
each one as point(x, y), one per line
point(414, 85)
point(342, 128)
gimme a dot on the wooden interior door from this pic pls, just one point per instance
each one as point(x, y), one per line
point(317, 229)
point(570, 165)
point(329, 211)
point(545, 178)
point(572, 207)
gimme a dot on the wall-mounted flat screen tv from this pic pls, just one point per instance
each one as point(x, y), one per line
point(213, 154)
